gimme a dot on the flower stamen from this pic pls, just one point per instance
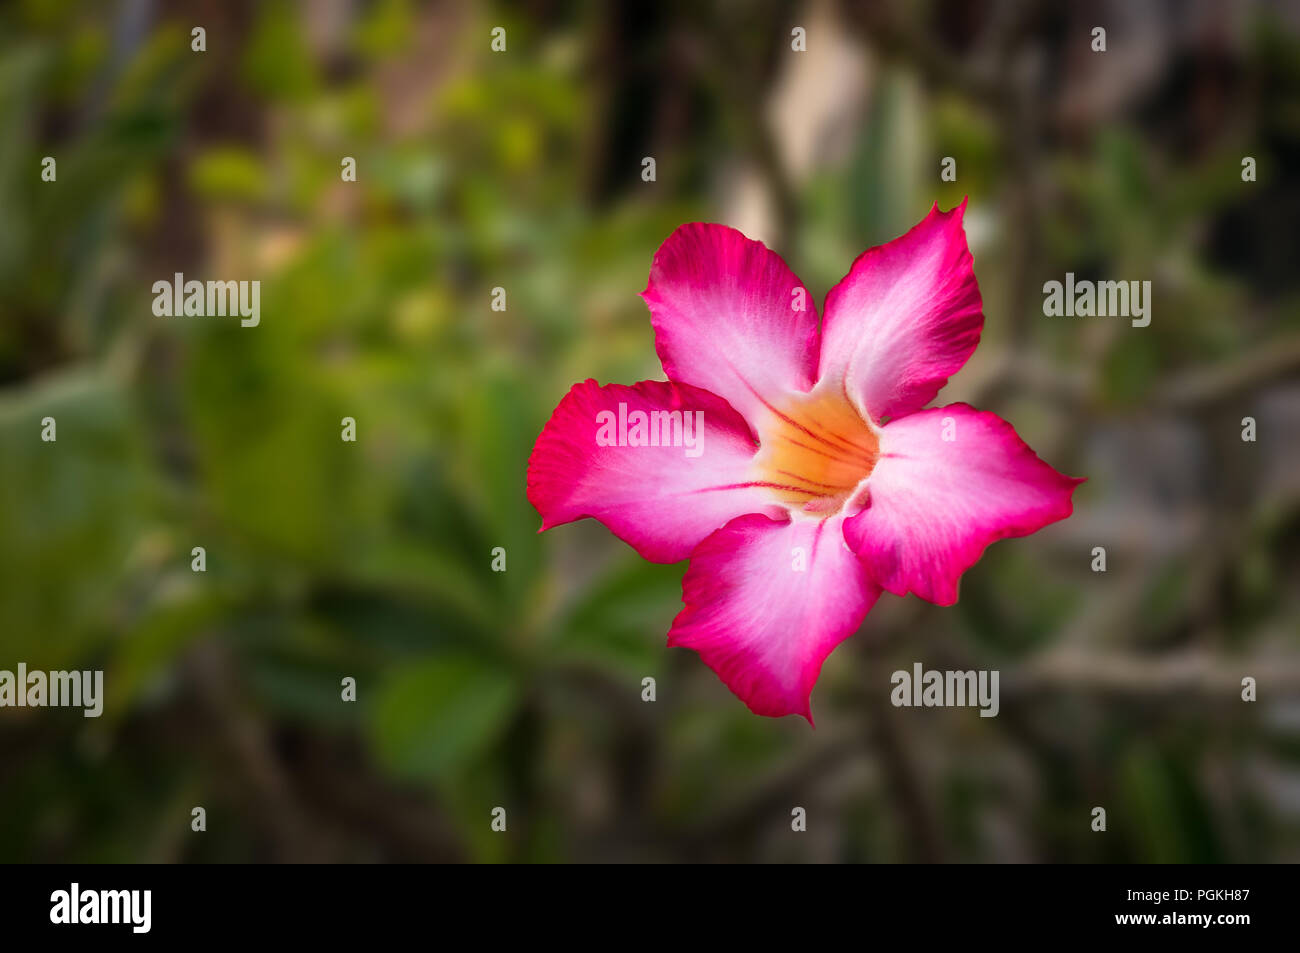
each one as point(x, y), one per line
point(814, 452)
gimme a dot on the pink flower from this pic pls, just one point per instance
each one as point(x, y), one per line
point(794, 464)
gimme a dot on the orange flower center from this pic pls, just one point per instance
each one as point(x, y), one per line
point(814, 451)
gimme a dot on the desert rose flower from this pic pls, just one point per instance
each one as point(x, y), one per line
point(794, 464)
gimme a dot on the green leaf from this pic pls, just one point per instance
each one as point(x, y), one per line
point(435, 718)
point(72, 511)
point(228, 172)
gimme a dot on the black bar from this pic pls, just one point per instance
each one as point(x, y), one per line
point(328, 904)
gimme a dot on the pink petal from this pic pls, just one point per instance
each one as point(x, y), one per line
point(658, 499)
point(724, 313)
point(764, 627)
point(934, 504)
point(905, 318)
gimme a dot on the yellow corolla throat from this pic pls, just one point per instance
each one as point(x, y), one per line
point(814, 451)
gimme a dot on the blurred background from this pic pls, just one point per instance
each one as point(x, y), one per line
point(522, 170)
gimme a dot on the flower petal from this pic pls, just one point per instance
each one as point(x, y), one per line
point(905, 318)
point(730, 317)
point(662, 500)
point(950, 481)
point(758, 621)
